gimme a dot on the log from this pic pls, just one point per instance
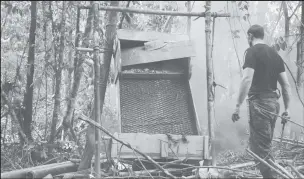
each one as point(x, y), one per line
point(241, 165)
point(287, 142)
point(53, 170)
point(265, 163)
point(281, 168)
point(83, 172)
point(299, 175)
point(84, 118)
point(22, 173)
point(293, 141)
point(145, 11)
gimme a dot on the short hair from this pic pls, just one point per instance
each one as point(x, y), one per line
point(257, 31)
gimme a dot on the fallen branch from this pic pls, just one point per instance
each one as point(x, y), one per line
point(287, 142)
point(217, 167)
point(242, 165)
point(299, 175)
point(281, 168)
point(84, 118)
point(265, 163)
point(142, 165)
point(294, 141)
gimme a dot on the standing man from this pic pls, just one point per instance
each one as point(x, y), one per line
point(263, 68)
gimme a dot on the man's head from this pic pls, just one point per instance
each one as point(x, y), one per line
point(255, 32)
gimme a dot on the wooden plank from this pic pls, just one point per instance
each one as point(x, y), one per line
point(141, 36)
point(118, 104)
point(151, 145)
point(139, 55)
point(198, 126)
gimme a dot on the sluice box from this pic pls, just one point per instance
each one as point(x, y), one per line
point(156, 112)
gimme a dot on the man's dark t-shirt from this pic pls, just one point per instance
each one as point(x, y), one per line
point(267, 65)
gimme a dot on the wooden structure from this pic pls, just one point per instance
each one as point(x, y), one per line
point(154, 97)
point(139, 52)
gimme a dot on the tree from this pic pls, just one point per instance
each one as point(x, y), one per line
point(110, 34)
point(58, 73)
point(28, 96)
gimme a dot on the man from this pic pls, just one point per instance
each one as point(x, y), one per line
point(263, 68)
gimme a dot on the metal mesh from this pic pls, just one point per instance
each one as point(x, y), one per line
point(156, 107)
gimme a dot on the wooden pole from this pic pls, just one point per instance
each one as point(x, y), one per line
point(302, 52)
point(97, 110)
point(145, 11)
point(210, 96)
point(189, 19)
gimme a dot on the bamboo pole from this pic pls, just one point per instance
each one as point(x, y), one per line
point(155, 12)
point(302, 51)
point(281, 168)
point(189, 19)
point(210, 96)
point(265, 163)
point(97, 111)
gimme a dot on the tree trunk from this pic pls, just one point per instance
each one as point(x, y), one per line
point(104, 70)
point(13, 115)
point(210, 96)
point(28, 96)
point(77, 75)
point(58, 74)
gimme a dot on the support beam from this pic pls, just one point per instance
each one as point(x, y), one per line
point(146, 11)
point(302, 51)
point(97, 111)
point(210, 95)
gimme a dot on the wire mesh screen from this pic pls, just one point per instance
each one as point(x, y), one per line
point(156, 106)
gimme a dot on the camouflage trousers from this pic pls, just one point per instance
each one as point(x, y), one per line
point(262, 125)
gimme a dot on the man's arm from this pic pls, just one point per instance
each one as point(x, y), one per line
point(245, 85)
point(286, 90)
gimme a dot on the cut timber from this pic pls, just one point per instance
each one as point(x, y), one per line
point(53, 170)
point(158, 146)
point(141, 36)
point(139, 55)
point(22, 173)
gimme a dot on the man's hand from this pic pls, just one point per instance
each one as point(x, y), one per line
point(285, 116)
point(235, 115)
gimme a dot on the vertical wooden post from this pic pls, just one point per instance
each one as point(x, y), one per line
point(210, 96)
point(189, 18)
point(302, 51)
point(97, 109)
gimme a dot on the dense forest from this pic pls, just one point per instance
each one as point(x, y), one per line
point(45, 84)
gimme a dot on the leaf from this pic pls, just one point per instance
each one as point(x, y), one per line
point(246, 7)
point(240, 3)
